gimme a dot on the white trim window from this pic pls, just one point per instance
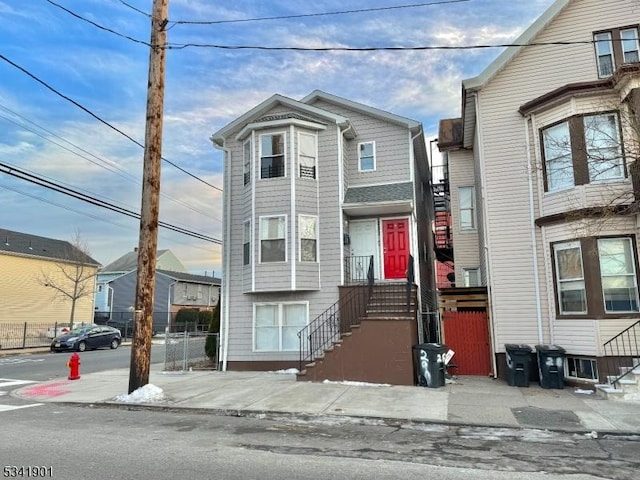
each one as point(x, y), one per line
point(604, 54)
point(471, 277)
point(618, 275)
point(246, 242)
point(308, 227)
point(276, 325)
point(571, 292)
point(581, 368)
point(366, 156)
point(604, 153)
point(273, 239)
point(467, 207)
point(246, 164)
point(272, 158)
point(307, 155)
point(558, 158)
point(630, 45)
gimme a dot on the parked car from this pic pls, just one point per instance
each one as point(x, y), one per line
point(87, 338)
point(63, 328)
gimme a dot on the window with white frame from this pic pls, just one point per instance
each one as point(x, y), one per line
point(308, 227)
point(199, 291)
point(618, 275)
point(558, 158)
point(246, 242)
point(246, 166)
point(582, 368)
point(276, 326)
point(366, 156)
point(272, 161)
point(273, 243)
point(596, 277)
point(471, 277)
point(616, 47)
point(307, 155)
point(571, 292)
point(466, 207)
point(581, 150)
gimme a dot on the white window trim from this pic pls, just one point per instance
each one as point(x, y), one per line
point(634, 31)
point(315, 217)
point(597, 43)
point(280, 311)
point(567, 373)
point(244, 242)
point(246, 171)
point(286, 243)
point(315, 154)
point(284, 153)
point(633, 274)
point(375, 164)
point(474, 220)
point(466, 271)
point(565, 246)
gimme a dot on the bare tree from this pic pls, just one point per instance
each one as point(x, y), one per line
point(73, 275)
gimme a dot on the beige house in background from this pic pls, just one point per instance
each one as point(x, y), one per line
point(541, 165)
point(25, 261)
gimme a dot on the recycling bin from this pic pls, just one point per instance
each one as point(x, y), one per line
point(551, 365)
point(429, 362)
point(518, 364)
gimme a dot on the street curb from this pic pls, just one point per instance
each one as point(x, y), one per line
point(342, 419)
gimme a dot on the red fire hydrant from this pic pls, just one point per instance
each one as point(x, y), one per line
point(74, 367)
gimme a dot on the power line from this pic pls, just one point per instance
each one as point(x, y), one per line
point(102, 163)
point(305, 15)
point(135, 9)
point(85, 109)
point(23, 175)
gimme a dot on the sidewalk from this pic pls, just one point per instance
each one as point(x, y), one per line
point(478, 401)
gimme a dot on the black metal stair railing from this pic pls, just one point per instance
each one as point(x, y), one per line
point(623, 352)
point(327, 328)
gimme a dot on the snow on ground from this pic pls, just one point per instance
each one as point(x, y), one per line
point(359, 384)
point(147, 394)
point(287, 371)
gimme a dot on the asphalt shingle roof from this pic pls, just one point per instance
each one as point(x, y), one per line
point(31, 245)
point(188, 277)
point(380, 193)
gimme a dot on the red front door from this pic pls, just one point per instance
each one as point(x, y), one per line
point(395, 235)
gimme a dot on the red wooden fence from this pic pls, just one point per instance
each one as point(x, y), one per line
point(467, 334)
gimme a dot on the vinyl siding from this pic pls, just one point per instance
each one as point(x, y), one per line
point(534, 72)
point(24, 299)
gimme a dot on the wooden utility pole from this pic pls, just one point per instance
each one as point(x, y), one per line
point(148, 241)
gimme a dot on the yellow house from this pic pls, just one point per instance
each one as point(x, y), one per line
point(43, 280)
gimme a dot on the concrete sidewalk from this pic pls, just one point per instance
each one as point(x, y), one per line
point(475, 401)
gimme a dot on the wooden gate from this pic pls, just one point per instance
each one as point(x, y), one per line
point(467, 334)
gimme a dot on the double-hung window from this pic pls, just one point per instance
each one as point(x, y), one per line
point(467, 207)
point(246, 165)
point(307, 155)
point(616, 47)
point(273, 243)
point(596, 277)
point(558, 157)
point(276, 326)
point(604, 152)
point(471, 277)
point(572, 295)
point(308, 227)
point(630, 45)
point(272, 162)
point(618, 275)
point(366, 156)
point(246, 242)
point(604, 54)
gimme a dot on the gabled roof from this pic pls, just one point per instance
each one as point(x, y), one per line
point(475, 83)
point(189, 278)
point(127, 262)
point(263, 108)
point(359, 107)
point(24, 244)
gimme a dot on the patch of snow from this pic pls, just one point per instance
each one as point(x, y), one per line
point(288, 371)
point(593, 434)
point(585, 392)
point(358, 384)
point(147, 394)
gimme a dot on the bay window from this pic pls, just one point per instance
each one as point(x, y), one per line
point(558, 158)
point(307, 155)
point(308, 227)
point(246, 165)
point(272, 162)
point(618, 275)
point(572, 294)
point(273, 243)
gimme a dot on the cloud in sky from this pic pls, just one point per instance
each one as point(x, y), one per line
point(205, 89)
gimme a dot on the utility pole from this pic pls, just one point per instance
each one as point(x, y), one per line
point(148, 240)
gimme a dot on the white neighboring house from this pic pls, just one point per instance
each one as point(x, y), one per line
point(543, 201)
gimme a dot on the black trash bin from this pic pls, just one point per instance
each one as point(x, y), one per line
point(518, 364)
point(551, 365)
point(429, 363)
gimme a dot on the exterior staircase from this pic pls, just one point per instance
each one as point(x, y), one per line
point(375, 347)
point(626, 389)
point(622, 354)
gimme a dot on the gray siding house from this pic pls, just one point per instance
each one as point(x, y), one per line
point(316, 191)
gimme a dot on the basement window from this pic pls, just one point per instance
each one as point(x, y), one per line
point(581, 368)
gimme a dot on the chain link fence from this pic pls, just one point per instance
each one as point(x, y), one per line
point(187, 351)
point(31, 335)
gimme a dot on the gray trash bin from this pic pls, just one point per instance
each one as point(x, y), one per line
point(429, 363)
point(551, 365)
point(518, 364)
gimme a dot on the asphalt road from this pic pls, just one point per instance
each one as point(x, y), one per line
point(48, 366)
point(76, 443)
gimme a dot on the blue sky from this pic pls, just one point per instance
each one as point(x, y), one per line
point(206, 88)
